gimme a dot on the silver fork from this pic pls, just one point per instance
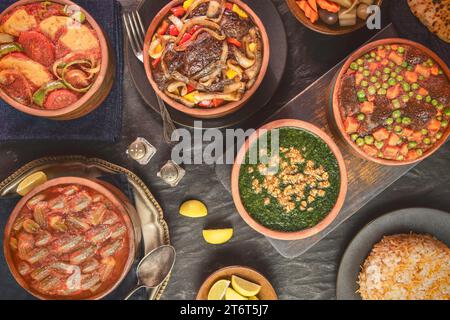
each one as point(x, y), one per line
point(136, 36)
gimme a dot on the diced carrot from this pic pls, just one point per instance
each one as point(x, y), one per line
point(391, 152)
point(393, 140)
point(385, 62)
point(370, 150)
point(404, 149)
point(412, 154)
point(434, 126)
point(394, 47)
point(435, 70)
point(396, 58)
point(411, 76)
point(381, 53)
point(393, 92)
point(381, 134)
point(416, 136)
point(424, 71)
point(351, 125)
point(373, 66)
point(367, 107)
point(358, 78)
point(313, 4)
point(407, 132)
point(328, 5)
point(371, 98)
point(423, 92)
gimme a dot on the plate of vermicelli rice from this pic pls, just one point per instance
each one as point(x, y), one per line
point(403, 255)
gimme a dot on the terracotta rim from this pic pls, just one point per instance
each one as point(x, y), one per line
point(302, 234)
point(212, 112)
point(238, 270)
point(321, 27)
point(338, 121)
point(101, 78)
point(64, 181)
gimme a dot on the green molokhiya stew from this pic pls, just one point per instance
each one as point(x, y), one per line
point(301, 192)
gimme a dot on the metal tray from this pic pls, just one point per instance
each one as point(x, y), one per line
point(150, 218)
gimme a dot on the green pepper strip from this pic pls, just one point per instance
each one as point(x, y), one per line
point(9, 48)
point(40, 95)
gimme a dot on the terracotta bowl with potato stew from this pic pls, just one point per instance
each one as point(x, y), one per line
point(53, 59)
point(206, 58)
point(69, 238)
point(391, 102)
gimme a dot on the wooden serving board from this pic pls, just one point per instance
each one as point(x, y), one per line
point(366, 179)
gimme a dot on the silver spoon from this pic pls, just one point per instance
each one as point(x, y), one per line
point(154, 268)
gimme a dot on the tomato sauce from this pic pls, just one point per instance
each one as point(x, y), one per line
point(69, 241)
point(38, 42)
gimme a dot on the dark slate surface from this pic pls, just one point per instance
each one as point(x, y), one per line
point(311, 276)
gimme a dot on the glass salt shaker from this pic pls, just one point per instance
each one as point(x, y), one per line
point(141, 150)
point(171, 173)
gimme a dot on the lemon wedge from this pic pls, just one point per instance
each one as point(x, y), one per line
point(31, 182)
point(217, 236)
point(218, 290)
point(230, 294)
point(253, 298)
point(193, 209)
point(244, 287)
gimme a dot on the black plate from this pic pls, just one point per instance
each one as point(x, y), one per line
point(269, 15)
point(416, 220)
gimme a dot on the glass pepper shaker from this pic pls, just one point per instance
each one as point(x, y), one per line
point(171, 173)
point(141, 150)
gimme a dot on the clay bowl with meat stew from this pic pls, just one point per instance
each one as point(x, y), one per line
point(289, 180)
point(206, 58)
point(55, 61)
point(391, 102)
point(70, 238)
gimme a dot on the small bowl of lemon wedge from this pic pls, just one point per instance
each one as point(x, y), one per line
point(236, 283)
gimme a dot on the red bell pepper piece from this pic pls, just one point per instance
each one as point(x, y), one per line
point(205, 104)
point(156, 62)
point(173, 30)
point(178, 11)
point(186, 38)
point(229, 6)
point(190, 88)
point(234, 42)
point(163, 28)
point(217, 102)
point(195, 29)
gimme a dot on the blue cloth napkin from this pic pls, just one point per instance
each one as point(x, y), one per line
point(12, 291)
point(105, 123)
point(408, 26)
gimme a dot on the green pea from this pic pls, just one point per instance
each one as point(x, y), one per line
point(401, 49)
point(398, 120)
point(440, 106)
point(389, 121)
point(393, 74)
point(447, 112)
point(378, 73)
point(434, 102)
point(410, 68)
point(439, 118)
point(379, 144)
point(396, 114)
point(430, 63)
point(366, 73)
point(389, 128)
point(361, 117)
point(427, 140)
point(360, 142)
point(373, 54)
point(360, 69)
point(354, 136)
point(364, 83)
point(369, 139)
point(361, 95)
point(382, 91)
point(385, 77)
point(424, 132)
point(391, 64)
point(405, 98)
point(439, 135)
point(371, 90)
point(406, 121)
point(378, 85)
point(373, 79)
point(412, 145)
point(388, 47)
point(411, 94)
point(419, 97)
point(378, 58)
point(440, 72)
point(419, 152)
point(404, 64)
point(385, 85)
point(444, 123)
point(392, 82)
point(400, 158)
point(406, 86)
point(360, 62)
point(398, 129)
point(428, 99)
point(396, 103)
point(421, 78)
point(354, 66)
point(367, 56)
point(387, 70)
point(398, 69)
point(415, 86)
point(399, 78)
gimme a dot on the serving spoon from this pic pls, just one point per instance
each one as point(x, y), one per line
point(154, 268)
